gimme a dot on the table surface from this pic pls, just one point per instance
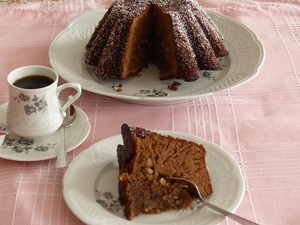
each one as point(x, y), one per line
point(257, 123)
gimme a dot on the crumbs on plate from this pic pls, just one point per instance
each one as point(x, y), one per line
point(174, 86)
point(117, 88)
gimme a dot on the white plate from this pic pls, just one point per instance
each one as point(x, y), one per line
point(22, 149)
point(243, 63)
point(90, 187)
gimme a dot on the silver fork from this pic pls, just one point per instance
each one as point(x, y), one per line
point(193, 188)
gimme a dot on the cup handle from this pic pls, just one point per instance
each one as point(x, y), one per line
point(71, 98)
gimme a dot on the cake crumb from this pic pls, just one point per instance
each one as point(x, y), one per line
point(117, 88)
point(174, 86)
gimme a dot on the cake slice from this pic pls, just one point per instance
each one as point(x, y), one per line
point(146, 161)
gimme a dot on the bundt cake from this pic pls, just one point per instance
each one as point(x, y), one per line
point(176, 35)
point(146, 161)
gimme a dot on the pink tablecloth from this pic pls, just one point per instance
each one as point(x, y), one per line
point(258, 123)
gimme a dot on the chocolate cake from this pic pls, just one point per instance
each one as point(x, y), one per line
point(176, 35)
point(146, 161)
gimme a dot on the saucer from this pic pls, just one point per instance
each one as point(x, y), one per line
point(22, 149)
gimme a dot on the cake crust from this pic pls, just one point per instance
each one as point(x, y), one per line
point(146, 161)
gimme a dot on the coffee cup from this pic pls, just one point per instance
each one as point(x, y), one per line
point(34, 109)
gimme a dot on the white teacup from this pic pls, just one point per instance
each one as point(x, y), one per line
point(34, 109)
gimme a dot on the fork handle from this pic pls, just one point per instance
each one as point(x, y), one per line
point(233, 216)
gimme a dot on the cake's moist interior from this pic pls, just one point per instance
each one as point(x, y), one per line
point(161, 158)
point(147, 171)
point(136, 55)
point(151, 40)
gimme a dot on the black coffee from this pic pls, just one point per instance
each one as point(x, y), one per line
point(33, 82)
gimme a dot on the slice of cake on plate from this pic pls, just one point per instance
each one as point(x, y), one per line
point(146, 161)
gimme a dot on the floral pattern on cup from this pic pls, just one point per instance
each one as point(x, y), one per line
point(34, 104)
point(40, 107)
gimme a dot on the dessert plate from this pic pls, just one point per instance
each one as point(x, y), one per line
point(90, 187)
point(243, 63)
point(22, 149)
